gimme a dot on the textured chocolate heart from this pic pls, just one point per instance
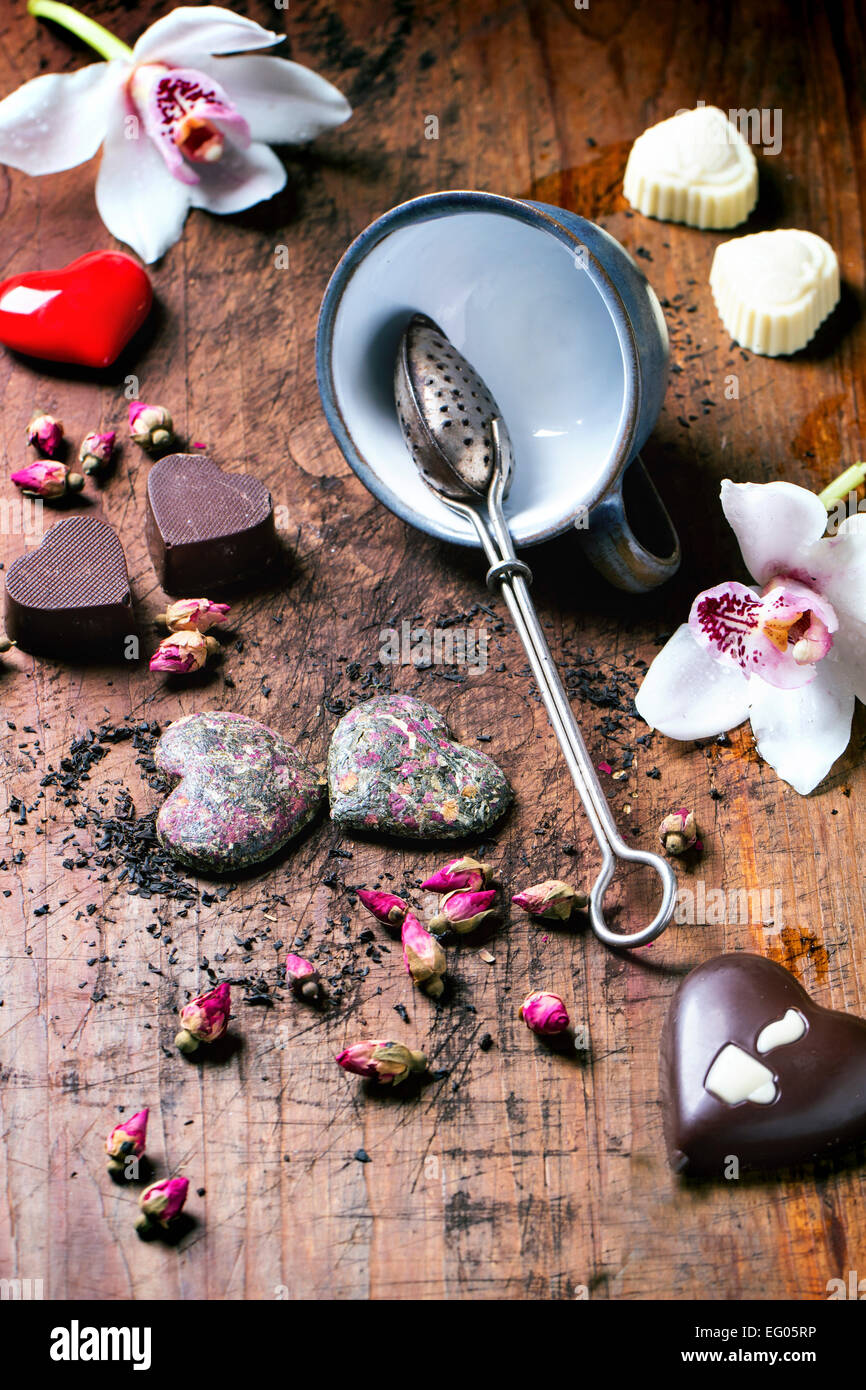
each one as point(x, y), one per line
point(85, 312)
point(392, 766)
point(242, 791)
point(753, 1069)
point(72, 594)
point(207, 529)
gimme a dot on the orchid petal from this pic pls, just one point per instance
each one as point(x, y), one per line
point(283, 102)
point(183, 94)
point(849, 656)
point(138, 200)
point(801, 733)
point(191, 30)
point(57, 120)
point(687, 694)
point(238, 180)
point(774, 524)
point(724, 620)
point(778, 636)
point(837, 567)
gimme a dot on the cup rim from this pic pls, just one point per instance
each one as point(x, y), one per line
point(434, 206)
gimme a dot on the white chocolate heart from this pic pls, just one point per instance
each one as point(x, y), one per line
point(774, 289)
point(694, 167)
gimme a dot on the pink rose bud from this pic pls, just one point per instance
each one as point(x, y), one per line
point(389, 1063)
point(150, 425)
point(182, 653)
point(678, 832)
point(458, 873)
point(162, 1202)
point(126, 1139)
point(551, 899)
point(204, 1019)
point(423, 957)
point(96, 451)
point(544, 1013)
point(194, 615)
point(387, 908)
point(465, 910)
point(46, 479)
point(302, 977)
point(45, 434)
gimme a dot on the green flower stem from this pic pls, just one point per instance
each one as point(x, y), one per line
point(846, 482)
point(87, 29)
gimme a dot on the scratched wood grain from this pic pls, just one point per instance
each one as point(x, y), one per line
point(524, 1173)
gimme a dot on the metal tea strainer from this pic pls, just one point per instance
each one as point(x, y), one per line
point(459, 442)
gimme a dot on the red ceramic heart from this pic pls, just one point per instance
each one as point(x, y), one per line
point(85, 313)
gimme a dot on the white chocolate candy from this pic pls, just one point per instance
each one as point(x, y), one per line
point(774, 289)
point(694, 167)
point(735, 1077)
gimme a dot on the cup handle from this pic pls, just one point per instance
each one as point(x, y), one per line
point(612, 546)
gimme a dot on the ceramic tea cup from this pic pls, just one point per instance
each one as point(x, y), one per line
point(564, 329)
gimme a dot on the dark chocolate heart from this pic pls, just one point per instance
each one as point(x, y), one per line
point(72, 594)
point(805, 1096)
point(207, 529)
point(393, 767)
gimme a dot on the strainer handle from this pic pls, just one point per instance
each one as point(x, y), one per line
point(513, 575)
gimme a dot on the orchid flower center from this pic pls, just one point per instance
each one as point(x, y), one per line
point(186, 114)
point(778, 635)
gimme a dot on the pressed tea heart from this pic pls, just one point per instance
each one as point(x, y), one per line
point(207, 529)
point(71, 595)
point(753, 1070)
point(242, 791)
point(393, 767)
point(84, 313)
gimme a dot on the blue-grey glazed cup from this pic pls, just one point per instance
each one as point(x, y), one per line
point(565, 330)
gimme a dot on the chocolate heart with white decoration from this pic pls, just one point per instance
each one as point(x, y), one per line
point(393, 767)
point(753, 1069)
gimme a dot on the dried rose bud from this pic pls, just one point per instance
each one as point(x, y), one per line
point(47, 480)
point(679, 831)
point(387, 908)
point(458, 873)
point(183, 653)
point(127, 1138)
point(544, 1013)
point(161, 1202)
point(302, 977)
point(150, 425)
point(464, 910)
point(551, 899)
point(96, 451)
point(193, 615)
point(45, 434)
point(205, 1018)
point(423, 957)
point(387, 1062)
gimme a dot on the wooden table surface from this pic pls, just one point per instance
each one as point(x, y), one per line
point(523, 1172)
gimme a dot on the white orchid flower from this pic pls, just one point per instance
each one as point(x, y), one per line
point(180, 124)
point(789, 654)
